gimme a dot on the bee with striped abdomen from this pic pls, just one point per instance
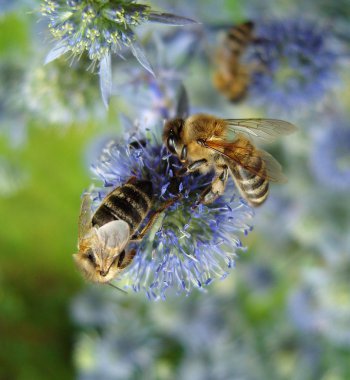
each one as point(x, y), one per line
point(232, 77)
point(204, 142)
point(104, 236)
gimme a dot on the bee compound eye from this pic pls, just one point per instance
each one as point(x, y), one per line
point(171, 144)
point(90, 256)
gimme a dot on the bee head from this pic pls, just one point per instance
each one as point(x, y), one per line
point(102, 251)
point(172, 134)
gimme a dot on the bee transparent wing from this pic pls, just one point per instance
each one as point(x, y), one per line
point(273, 167)
point(115, 234)
point(242, 154)
point(85, 216)
point(265, 129)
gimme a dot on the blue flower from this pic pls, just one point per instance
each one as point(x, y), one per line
point(165, 341)
point(187, 248)
point(100, 28)
point(321, 303)
point(124, 346)
point(330, 159)
point(60, 96)
point(152, 99)
point(294, 65)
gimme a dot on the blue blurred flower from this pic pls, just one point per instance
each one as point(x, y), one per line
point(330, 158)
point(116, 342)
point(294, 65)
point(185, 339)
point(150, 98)
point(187, 248)
point(321, 303)
point(192, 338)
point(60, 96)
point(100, 28)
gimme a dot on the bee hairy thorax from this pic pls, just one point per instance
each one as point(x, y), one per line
point(252, 183)
point(203, 127)
point(130, 202)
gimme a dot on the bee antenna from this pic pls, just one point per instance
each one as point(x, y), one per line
point(116, 287)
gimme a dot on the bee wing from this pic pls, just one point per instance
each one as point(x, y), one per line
point(115, 234)
point(264, 129)
point(249, 159)
point(273, 167)
point(85, 216)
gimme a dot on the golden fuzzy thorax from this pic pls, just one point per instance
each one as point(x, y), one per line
point(203, 142)
point(202, 127)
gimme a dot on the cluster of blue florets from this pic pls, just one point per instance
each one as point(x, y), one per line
point(97, 27)
point(190, 246)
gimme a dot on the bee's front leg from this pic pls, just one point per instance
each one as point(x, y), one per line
point(196, 165)
point(125, 258)
point(216, 188)
point(153, 218)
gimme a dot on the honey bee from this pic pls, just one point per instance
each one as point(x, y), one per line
point(204, 142)
point(232, 77)
point(104, 236)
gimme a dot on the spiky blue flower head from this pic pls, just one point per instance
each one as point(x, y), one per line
point(186, 248)
point(100, 28)
point(330, 159)
point(294, 65)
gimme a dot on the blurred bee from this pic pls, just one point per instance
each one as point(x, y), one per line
point(232, 77)
point(204, 142)
point(104, 236)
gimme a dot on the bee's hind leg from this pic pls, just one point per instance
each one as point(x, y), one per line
point(153, 218)
point(216, 188)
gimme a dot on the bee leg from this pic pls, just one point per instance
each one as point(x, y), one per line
point(192, 167)
point(216, 188)
point(153, 219)
point(125, 259)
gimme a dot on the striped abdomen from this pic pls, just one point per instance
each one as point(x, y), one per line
point(238, 37)
point(253, 185)
point(232, 78)
point(130, 202)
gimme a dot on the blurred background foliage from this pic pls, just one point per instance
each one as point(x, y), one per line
point(284, 311)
